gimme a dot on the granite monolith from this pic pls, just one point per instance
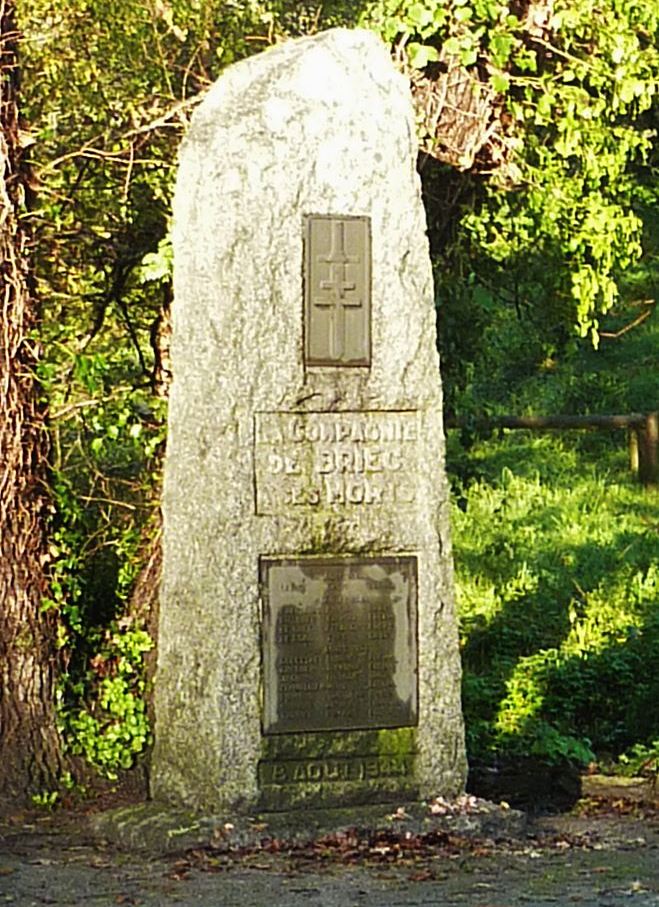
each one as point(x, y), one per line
point(308, 650)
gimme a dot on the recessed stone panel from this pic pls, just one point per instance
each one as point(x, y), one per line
point(339, 643)
point(336, 769)
point(341, 462)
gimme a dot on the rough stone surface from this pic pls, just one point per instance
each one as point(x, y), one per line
point(319, 126)
point(152, 828)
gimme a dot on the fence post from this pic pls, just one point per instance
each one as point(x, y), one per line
point(633, 450)
point(648, 450)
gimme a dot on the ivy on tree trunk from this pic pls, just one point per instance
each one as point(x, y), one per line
point(30, 755)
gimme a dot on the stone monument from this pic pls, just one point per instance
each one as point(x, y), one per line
point(308, 651)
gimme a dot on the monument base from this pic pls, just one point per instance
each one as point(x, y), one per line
point(157, 828)
point(338, 769)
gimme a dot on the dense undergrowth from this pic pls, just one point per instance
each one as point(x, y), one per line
point(557, 555)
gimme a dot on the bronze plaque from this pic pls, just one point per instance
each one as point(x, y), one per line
point(337, 316)
point(339, 643)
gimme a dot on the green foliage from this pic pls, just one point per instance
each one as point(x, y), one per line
point(45, 799)
point(556, 545)
point(95, 545)
point(462, 29)
point(500, 363)
point(641, 758)
point(49, 799)
point(559, 600)
point(114, 728)
point(107, 436)
point(549, 229)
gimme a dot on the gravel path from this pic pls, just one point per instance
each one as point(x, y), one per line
point(593, 862)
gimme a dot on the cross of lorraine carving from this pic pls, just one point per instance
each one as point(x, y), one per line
point(337, 309)
point(343, 293)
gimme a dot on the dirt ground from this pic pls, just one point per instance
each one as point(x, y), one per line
point(603, 855)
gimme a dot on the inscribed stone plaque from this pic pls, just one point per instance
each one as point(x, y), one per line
point(335, 770)
point(337, 322)
point(347, 461)
point(339, 643)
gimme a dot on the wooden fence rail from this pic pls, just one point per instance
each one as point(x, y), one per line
point(643, 431)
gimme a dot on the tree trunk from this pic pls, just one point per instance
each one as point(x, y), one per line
point(30, 759)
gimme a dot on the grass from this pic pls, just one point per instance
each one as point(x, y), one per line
point(557, 555)
point(558, 587)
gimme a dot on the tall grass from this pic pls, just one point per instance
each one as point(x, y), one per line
point(557, 549)
point(557, 560)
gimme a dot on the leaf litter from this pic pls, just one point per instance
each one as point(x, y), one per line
point(425, 856)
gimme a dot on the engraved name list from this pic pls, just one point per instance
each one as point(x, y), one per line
point(339, 643)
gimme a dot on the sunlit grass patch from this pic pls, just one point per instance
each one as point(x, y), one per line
point(557, 579)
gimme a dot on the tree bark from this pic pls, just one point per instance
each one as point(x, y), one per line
point(30, 753)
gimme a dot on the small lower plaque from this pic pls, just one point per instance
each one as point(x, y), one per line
point(330, 770)
point(339, 643)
